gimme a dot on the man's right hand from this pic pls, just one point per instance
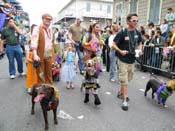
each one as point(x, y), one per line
point(36, 58)
point(124, 52)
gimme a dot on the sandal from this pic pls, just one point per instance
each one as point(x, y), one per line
point(72, 86)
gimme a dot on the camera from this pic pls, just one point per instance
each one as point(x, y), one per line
point(36, 64)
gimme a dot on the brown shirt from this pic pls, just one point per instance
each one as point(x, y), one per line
point(76, 32)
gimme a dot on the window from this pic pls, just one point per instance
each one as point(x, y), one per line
point(133, 6)
point(108, 9)
point(100, 7)
point(118, 15)
point(154, 11)
point(88, 7)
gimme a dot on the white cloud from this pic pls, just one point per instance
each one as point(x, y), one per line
point(36, 8)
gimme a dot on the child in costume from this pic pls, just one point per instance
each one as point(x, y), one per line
point(31, 75)
point(68, 72)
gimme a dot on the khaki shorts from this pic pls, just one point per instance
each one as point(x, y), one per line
point(126, 72)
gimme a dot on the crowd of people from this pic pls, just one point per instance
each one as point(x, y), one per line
point(114, 48)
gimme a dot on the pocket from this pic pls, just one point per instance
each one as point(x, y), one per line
point(156, 50)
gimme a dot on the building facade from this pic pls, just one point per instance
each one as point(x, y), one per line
point(21, 17)
point(89, 10)
point(147, 10)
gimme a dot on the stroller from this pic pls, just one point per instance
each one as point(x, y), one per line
point(2, 52)
point(56, 68)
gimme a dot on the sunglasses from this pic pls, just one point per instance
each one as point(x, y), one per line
point(134, 21)
point(48, 19)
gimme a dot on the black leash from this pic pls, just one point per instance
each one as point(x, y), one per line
point(150, 72)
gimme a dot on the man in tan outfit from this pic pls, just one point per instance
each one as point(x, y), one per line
point(42, 46)
point(75, 34)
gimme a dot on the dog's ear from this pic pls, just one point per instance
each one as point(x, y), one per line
point(36, 85)
point(49, 91)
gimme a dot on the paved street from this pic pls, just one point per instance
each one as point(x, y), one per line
point(144, 114)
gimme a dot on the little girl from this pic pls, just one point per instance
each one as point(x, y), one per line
point(68, 73)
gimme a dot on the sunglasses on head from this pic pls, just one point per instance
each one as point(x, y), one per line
point(134, 21)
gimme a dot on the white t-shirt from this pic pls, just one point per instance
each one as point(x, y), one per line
point(111, 39)
point(55, 38)
point(164, 28)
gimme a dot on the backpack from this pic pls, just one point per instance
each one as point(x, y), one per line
point(59, 37)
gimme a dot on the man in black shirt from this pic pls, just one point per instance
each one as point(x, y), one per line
point(125, 43)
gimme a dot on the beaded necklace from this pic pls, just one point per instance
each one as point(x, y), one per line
point(132, 42)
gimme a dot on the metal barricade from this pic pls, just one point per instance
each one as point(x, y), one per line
point(159, 58)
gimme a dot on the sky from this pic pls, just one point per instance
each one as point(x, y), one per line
point(35, 8)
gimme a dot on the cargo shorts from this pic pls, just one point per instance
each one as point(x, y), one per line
point(126, 72)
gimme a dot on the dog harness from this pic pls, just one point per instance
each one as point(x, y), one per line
point(162, 93)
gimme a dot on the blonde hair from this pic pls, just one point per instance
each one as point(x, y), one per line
point(68, 44)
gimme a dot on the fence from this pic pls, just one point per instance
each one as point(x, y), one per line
point(159, 59)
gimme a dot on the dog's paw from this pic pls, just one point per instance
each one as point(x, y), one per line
point(56, 122)
point(32, 112)
point(46, 127)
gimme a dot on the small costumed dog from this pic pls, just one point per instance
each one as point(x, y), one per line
point(48, 97)
point(162, 90)
point(56, 68)
point(90, 82)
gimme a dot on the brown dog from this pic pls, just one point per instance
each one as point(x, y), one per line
point(47, 95)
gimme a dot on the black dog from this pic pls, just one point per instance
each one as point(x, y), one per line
point(163, 91)
point(47, 95)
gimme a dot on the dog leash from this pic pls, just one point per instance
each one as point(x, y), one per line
point(151, 73)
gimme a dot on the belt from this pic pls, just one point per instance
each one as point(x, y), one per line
point(12, 44)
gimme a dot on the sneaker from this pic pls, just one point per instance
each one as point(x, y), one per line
point(12, 76)
point(125, 106)
point(120, 96)
point(81, 72)
point(112, 80)
point(22, 74)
